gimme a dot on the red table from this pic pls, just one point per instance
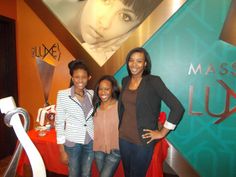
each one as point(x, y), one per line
point(49, 151)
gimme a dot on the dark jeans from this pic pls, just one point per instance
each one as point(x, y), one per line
point(135, 158)
point(107, 163)
point(80, 159)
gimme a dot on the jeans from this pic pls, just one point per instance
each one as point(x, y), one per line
point(135, 158)
point(107, 163)
point(80, 158)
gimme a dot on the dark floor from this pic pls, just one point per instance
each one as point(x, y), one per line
point(169, 175)
point(4, 163)
point(168, 171)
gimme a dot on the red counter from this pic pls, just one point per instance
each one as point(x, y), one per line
point(49, 151)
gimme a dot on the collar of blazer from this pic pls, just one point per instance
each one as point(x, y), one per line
point(127, 79)
point(89, 93)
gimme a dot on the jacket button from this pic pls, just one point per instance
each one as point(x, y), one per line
point(85, 125)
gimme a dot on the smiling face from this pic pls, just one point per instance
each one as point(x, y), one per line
point(105, 91)
point(137, 64)
point(80, 79)
point(103, 20)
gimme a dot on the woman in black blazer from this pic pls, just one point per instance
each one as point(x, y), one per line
point(139, 107)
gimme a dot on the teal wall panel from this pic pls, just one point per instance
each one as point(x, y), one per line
point(191, 37)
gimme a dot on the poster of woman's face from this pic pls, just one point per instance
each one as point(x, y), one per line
point(101, 26)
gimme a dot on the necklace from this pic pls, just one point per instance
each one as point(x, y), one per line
point(79, 94)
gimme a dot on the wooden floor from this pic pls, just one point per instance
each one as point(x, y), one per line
point(4, 163)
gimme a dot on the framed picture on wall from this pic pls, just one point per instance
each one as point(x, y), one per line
point(101, 26)
point(101, 32)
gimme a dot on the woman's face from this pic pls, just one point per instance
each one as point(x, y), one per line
point(105, 91)
point(80, 79)
point(137, 63)
point(103, 20)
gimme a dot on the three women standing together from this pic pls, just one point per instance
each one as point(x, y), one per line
point(111, 125)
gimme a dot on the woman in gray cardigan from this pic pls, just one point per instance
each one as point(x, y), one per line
point(139, 108)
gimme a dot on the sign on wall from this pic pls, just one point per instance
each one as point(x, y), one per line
point(141, 21)
point(47, 57)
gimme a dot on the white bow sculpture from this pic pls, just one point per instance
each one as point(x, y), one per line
point(12, 119)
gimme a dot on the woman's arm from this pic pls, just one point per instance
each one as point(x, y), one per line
point(60, 119)
point(176, 111)
point(176, 108)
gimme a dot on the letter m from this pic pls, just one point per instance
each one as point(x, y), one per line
point(192, 69)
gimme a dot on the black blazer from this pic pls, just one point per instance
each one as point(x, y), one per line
point(151, 92)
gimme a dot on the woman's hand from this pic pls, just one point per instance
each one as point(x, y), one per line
point(154, 134)
point(110, 45)
point(63, 154)
point(64, 158)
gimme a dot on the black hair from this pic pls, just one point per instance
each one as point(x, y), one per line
point(115, 90)
point(77, 64)
point(147, 69)
point(74, 65)
point(142, 8)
